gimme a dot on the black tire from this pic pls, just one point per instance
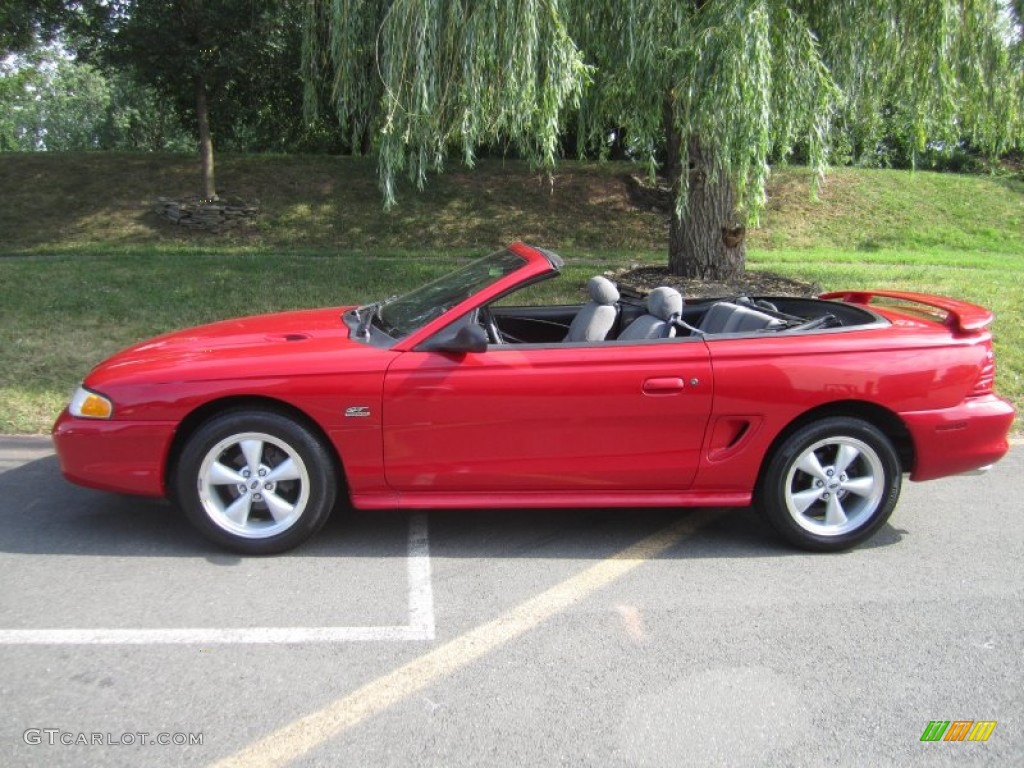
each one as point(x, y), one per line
point(831, 484)
point(255, 482)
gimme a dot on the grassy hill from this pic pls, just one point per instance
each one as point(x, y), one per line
point(86, 267)
point(98, 201)
point(95, 202)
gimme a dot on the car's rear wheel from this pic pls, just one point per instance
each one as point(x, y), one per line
point(831, 484)
point(256, 482)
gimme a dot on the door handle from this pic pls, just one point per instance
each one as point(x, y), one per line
point(666, 385)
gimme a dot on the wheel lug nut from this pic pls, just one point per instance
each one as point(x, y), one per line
point(257, 497)
point(245, 473)
point(818, 484)
point(268, 486)
point(263, 473)
point(824, 496)
point(242, 488)
point(830, 472)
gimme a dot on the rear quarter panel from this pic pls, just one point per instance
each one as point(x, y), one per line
point(770, 381)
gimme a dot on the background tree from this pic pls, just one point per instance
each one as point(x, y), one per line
point(24, 24)
point(51, 101)
point(48, 101)
point(138, 119)
point(351, 94)
point(710, 88)
point(427, 77)
point(229, 67)
point(20, 123)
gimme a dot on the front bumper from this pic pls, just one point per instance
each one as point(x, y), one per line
point(965, 438)
point(119, 456)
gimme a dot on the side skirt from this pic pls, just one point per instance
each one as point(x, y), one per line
point(547, 499)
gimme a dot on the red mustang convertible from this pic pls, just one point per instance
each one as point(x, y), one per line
point(453, 396)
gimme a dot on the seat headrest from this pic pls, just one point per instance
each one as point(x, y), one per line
point(602, 290)
point(664, 302)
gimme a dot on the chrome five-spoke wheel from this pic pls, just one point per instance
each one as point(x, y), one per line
point(834, 486)
point(253, 485)
point(256, 481)
point(831, 484)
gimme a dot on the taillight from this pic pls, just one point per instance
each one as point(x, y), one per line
point(987, 375)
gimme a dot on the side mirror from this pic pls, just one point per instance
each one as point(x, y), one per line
point(468, 338)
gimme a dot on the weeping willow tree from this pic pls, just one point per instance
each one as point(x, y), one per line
point(710, 90)
point(435, 76)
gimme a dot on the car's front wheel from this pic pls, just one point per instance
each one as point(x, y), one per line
point(256, 482)
point(831, 484)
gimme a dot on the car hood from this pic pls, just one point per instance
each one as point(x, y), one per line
point(305, 341)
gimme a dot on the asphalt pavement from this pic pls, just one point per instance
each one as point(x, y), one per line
point(493, 638)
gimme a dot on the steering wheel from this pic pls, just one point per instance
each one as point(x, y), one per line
point(485, 317)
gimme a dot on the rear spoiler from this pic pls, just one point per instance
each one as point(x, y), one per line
point(960, 315)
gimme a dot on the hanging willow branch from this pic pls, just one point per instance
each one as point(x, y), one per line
point(452, 74)
point(748, 79)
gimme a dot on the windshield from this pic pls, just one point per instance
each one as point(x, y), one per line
point(400, 317)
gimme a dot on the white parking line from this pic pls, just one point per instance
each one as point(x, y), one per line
point(296, 740)
point(421, 589)
point(420, 626)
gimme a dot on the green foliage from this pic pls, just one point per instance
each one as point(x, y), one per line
point(19, 110)
point(749, 79)
point(450, 74)
point(744, 77)
point(948, 75)
point(48, 101)
point(247, 53)
point(75, 105)
point(138, 119)
point(354, 90)
point(24, 23)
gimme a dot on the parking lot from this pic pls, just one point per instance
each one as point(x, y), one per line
point(538, 638)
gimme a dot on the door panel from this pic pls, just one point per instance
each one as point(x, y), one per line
point(533, 418)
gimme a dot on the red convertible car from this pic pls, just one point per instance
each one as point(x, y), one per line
point(452, 396)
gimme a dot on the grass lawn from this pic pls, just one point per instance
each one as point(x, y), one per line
point(86, 270)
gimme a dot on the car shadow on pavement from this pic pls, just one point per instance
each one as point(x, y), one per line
point(41, 513)
point(601, 533)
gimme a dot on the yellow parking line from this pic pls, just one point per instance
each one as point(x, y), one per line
point(299, 737)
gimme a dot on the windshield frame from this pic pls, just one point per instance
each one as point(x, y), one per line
point(401, 317)
point(537, 262)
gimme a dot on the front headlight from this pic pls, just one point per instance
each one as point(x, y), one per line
point(90, 405)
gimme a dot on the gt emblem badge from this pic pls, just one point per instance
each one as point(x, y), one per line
point(357, 411)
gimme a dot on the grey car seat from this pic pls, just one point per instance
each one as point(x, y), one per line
point(595, 319)
point(727, 317)
point(662, 305)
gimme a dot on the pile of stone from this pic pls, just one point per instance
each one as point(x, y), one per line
point(214, 215)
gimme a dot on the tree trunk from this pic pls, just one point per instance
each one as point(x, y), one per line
point(707, 241)
point(205, 141)
point(366, 142)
